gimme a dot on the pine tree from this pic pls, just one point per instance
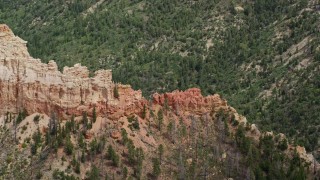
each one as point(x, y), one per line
point(77, 168)
point(68, 148)
point(160, 119)
point(112, 155)
point(131, 152)
point(33, 149)
point(170, 129)
point(73, 124)
point(81, 141)
point(83, 157)
point(156, 167)
point(93, 173)
point(124, 135)
point(19, 118)
point(144, 112)
point(160, 150)
point(124, 173)
point(47, 138)
point(85, 120)
point(94, 115)
point(283, 144)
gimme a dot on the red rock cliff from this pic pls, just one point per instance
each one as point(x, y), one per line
point(28, 83)
point(189, 100)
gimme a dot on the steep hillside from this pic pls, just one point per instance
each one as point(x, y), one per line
point(263, 56)
point(66, 125)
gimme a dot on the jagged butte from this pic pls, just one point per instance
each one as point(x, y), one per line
point(27, 83)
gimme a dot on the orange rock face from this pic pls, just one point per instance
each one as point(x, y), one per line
point(28, 83)
point(5, 31)
point(189, 100)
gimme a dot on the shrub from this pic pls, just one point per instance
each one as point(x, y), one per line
point(24, 128)
point(116, 92)
point(36, 119)
point(283, 145)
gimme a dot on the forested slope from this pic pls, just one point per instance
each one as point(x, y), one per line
point(263, 56)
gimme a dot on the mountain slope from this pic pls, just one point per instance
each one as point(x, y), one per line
point(262, 56)
point(66, 125)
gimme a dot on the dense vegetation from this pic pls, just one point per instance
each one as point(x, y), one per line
point(211, 146)
point(255, 57)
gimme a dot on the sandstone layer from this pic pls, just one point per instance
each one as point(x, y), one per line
point(26, 82)
point(190, 100)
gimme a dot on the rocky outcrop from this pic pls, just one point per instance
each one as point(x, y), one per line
point(189, 100)
point(28, 83)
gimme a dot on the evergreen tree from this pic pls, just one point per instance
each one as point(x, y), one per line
point(170, 128)
point(85, 120)
point(124, 135)
point(160, 119)
point(124, 173)
point(93, 174)
point(94, 115)
point(131, 152)
point(112, 155)
point(73, 124)
point(19, 118)
point(68, 148)
point(156, 167)
point(77, 168)
point(283, 144)
point(144, 112)
point(160, 150)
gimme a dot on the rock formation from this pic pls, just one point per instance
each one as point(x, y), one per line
point(28, 83)
point(189, 100)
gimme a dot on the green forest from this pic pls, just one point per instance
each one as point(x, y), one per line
point(262, 56)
